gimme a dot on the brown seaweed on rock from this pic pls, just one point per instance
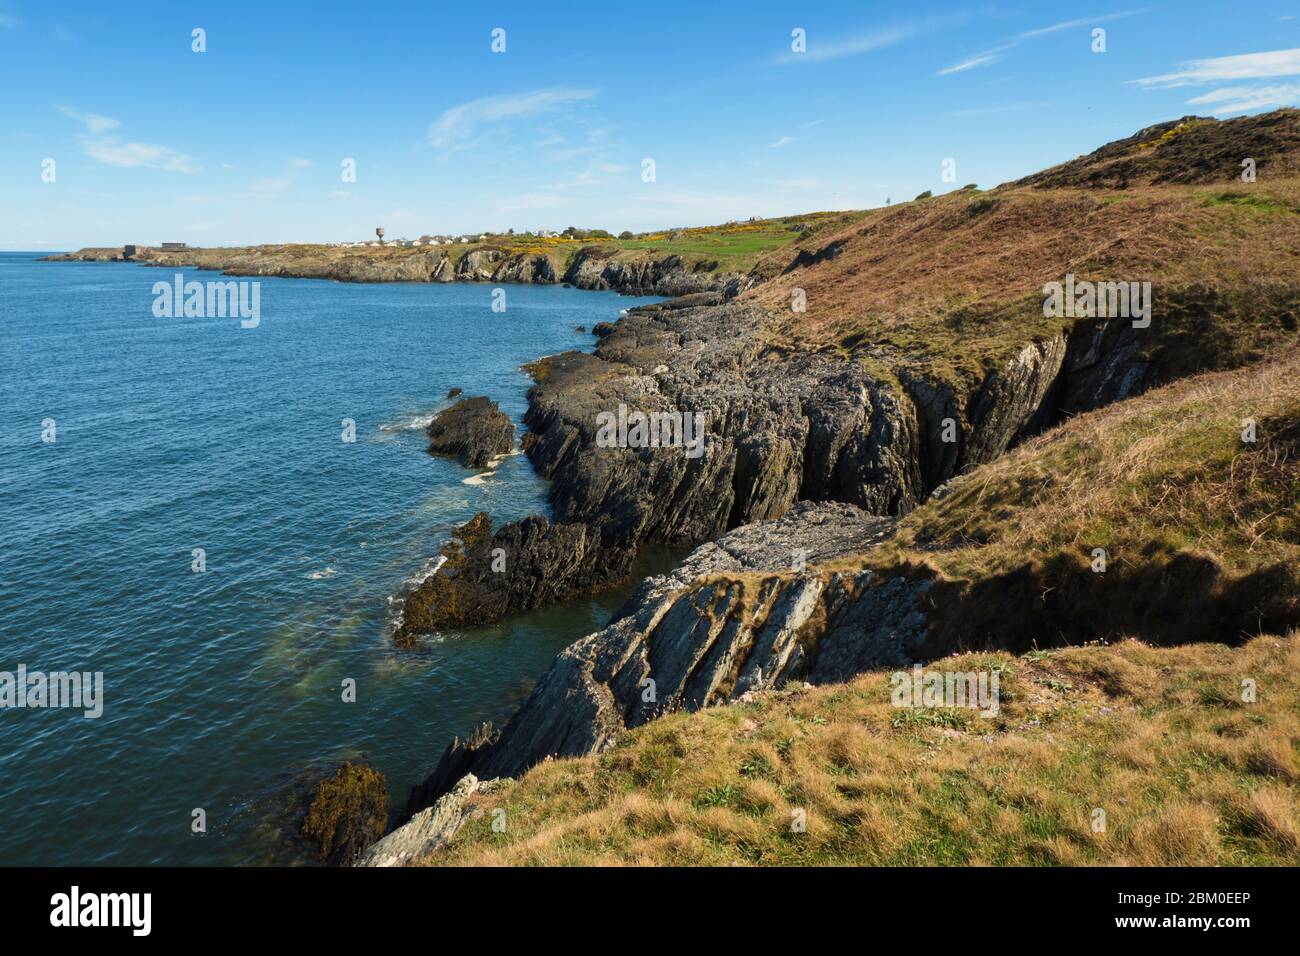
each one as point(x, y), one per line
point(348, 812)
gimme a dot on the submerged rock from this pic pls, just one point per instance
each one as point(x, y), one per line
point(474, 429)
point(348, 812)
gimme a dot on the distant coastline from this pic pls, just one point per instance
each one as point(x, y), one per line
point(598, 266)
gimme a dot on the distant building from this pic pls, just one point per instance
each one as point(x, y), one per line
point(173, 246)
point(128, 252)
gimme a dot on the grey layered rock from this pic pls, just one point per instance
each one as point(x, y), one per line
point(594, 268)
point(778, 427)
point(749, 611)
point(427, 831)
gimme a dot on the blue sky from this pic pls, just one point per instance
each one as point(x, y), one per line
point(244, 142)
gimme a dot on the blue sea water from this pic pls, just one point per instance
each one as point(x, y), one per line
point(223, 688)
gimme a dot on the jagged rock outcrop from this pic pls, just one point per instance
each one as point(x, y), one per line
point(484, 576)
point(775, 426)
point(474, 429)
point(746, 612)
point(426, 831)
point(596, 268)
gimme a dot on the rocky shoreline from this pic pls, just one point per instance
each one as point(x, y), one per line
point(810, 452)
point(781, 427)
point(588, 267)
point(810, 456)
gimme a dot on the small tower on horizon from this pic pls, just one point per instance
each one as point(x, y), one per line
point(380, 233)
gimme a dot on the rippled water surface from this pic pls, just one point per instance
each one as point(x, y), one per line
point(222, 687)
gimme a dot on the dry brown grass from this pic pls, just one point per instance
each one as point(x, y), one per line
point(1159, 474)
point(964, 272)
point(1157, 738)
point(1200, 529)
point(1166, 205)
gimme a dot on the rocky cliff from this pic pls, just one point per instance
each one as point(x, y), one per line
point(587, 267)
point(1001, 558)
point(872, 402)
point(778, 426)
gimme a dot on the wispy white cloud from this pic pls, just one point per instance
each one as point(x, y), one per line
point(986, 58)
point(299, 163)
point(818, 51)
point(1081, 22)
point(9, 22)
point(131, 155)
point(111, 151)
point(93, 122)
point(1244, 66)
point(995, 55)
point(559, 149)
point(1240, 99)
point(456, 127)
point(783, 141)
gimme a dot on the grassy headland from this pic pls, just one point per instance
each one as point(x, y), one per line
point(1159, 739)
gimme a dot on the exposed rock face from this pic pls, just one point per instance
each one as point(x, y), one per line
point(778, 427)
point(590, 267)
point(348, 812)
point(474, 429)
point(426, 831)
point(746, 612)
point(525, 564)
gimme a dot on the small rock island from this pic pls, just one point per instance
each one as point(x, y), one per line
point(475, 430)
